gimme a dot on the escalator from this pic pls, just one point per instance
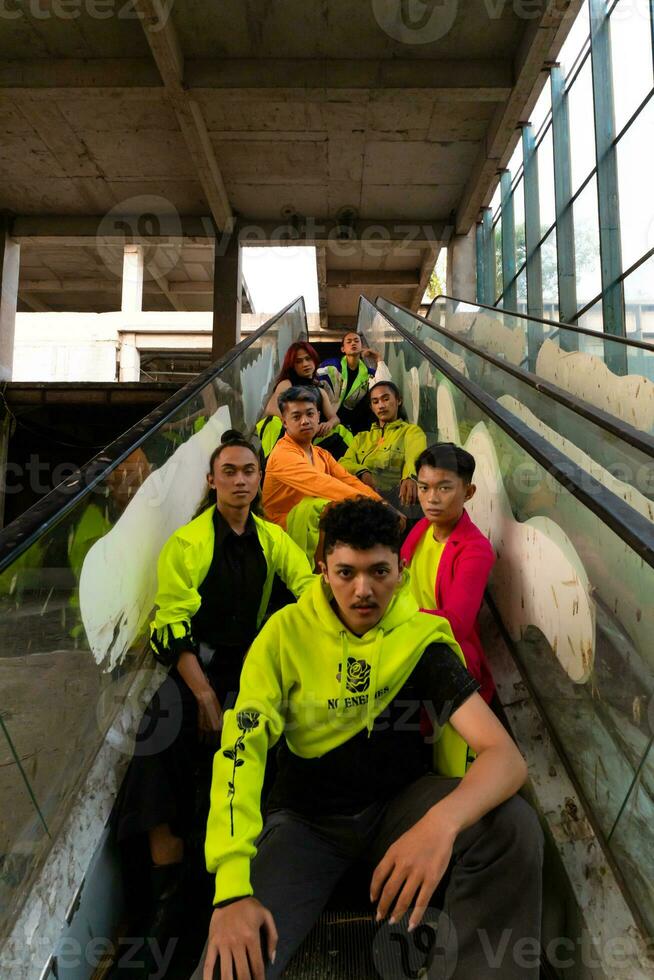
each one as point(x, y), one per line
point(569, 604)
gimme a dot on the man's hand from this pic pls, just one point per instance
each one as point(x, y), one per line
point(368, 479)
point(210, 715)
point(374, 355)
point(408, 492)
point(412, 866)
point(235, 937)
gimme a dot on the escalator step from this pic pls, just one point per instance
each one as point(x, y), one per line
point(339, 947)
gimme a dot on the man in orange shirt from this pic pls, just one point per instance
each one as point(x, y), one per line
point(301, 478)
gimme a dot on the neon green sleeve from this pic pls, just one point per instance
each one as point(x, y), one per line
point(292, 565)
point(177, 602)
point(415, 442)
point(350, 461)
point(249, 730)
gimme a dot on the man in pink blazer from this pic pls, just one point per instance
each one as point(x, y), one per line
point(449, 558)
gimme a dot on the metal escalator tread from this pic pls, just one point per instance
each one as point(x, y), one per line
point(339, 947)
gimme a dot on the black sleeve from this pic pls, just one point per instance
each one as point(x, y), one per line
point(443, 682)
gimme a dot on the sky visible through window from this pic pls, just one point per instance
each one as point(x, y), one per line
point(277, 275)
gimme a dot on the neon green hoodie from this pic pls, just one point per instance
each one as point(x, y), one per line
point(183, 565)
point(293, 682)
point(388, 453)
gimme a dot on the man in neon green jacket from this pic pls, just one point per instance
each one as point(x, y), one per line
point(344, 676)
point(383, 457)
point(215, 577)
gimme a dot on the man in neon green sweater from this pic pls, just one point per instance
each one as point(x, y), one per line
point(384, 456)
point(334, 674)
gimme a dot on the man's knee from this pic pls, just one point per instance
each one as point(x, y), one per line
point(516, 828)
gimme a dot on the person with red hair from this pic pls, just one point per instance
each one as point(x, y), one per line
point(299, 369)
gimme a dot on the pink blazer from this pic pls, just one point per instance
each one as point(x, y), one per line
point(459, 589)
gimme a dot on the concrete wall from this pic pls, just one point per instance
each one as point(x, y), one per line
point(87, 346)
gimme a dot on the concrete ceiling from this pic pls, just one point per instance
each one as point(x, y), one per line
point(259, 113)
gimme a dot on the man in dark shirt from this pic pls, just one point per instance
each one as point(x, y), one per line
point(350, 377)
point(345, 676)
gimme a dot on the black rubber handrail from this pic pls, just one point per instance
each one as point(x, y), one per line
point(628, 433)
point(26, 529)
point(630, 526)
point(550, 323)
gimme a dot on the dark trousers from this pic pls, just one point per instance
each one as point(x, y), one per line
point(492, 899)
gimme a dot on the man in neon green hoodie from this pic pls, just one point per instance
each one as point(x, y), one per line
point(334, 675)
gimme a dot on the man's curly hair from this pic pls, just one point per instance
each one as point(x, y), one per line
point(360, 523)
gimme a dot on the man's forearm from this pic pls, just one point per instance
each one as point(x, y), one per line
point(189, 669)
point(496, 774)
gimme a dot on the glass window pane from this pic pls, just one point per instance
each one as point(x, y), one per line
point(579, 34)
point(548, 254)
point(631, 54)
point(521, 291)
point(546, 182)
point(639, 302)
point(592, 319)
point(497, 239)
point(582, 126)
point(519, 215)
point(587, 246)
point(635, 155)
point(496, 201)
point(515, 163)
point(542, 107)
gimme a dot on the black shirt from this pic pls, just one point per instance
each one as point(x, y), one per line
point(371, 769)
point(232, 588)
point(352, 375)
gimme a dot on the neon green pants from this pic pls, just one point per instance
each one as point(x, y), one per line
point(302, 524)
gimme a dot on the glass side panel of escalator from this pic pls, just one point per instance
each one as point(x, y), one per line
point(573, 595)
point(625, 468)
point(616, 376)
point(75, 607)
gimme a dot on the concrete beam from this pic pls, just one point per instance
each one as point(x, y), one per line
point(376, 234)
point(169, 59)
point(35, 305)
point(373, 277)
point(428, 263)
point(95, 231)
point(159, 277)
point(323, 278)
point(70, 286)
point(475, 80)
point(542, 38)
point(341, 323)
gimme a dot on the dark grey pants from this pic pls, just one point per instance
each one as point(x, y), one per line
point(492, 900)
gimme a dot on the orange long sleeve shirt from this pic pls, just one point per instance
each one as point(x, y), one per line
point(290, 477)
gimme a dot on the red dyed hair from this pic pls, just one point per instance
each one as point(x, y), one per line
point(289, 360)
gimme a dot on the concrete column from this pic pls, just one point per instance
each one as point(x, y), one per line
point(129, 368)
point(462, 267)
point(132, 299)
point(227, 288)
point(9, 266)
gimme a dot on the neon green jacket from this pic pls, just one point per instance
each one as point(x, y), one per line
point(388, 454)
point(292, 683)
point(184, 562)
